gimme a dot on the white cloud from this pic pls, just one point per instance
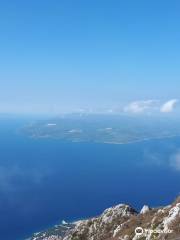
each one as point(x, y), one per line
point(169, 106)
point(175, 161)
point(9, 173)
point(153, 158)
point(140, 106)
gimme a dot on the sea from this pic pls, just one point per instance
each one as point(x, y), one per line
point(45, 181)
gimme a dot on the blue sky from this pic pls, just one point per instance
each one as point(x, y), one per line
point(65, 55)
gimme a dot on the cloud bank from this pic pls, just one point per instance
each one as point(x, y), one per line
point(175, 161)
point(169, 106)
point(149, 106)
point(140, 106)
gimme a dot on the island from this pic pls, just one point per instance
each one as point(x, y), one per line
point(109, 129)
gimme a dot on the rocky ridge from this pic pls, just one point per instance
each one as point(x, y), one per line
point(122, 222)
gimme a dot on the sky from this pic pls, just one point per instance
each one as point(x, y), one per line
point(62, 56)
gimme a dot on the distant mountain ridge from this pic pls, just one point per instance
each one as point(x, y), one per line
point(121, 222)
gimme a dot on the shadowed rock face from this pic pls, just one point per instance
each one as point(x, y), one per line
point(120, 223)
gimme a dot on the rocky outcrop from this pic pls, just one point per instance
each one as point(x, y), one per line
point(105, 226)
point(145, 209)
point(122, 222)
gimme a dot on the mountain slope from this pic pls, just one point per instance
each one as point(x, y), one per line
point(122, 222)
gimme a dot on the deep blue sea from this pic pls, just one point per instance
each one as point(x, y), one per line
point(43, 181)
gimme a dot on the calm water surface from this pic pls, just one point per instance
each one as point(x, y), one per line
point(43, 181)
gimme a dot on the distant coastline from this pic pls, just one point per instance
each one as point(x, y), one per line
point(103, 129)
point(143, 140)
point(106, 142)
